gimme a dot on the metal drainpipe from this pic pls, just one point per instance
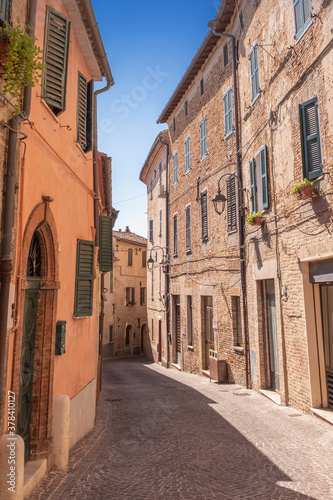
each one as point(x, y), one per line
point(240, 208)
point(167, 270)
point(6, 261)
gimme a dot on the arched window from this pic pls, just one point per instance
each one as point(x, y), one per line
point(34, 268)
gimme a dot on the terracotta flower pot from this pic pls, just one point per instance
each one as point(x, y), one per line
point(305, 192)
point(259, 221)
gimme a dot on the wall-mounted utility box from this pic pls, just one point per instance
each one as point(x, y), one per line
point(60, 338)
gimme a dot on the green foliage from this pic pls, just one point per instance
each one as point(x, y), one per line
point(250, 218)
point(23, 62)
point(301, 185)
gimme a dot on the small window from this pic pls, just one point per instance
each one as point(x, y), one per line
point(111, 281)
point(56, 41)
point(174, 124)
point(152, 284)
point(151, 231)
point(161, 215)
point(127, 338)
point(130, 256)
point(302, 16)
point(225, 55)
point(259, 181)
point(228, 117)
point(110, 333)
point(254, 68)
point(204, 216)
point(152, 329)
point(311, 148)
point(188, 228)
point(187, 155)
point(175, 235)
point(236, 320)
point(175, 168)
point(186, 108)
point(203, 137)
point(202, 89)
point(130, 296)
point(151, 189)
point(231, 204)
point(144, 258)
point(189, 320)
point(160, 172)
point(5, 8)
point(143, 296)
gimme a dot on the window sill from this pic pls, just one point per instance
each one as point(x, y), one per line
point(204, 157)
point(239, 349)
point(303, 33)
point(81, 150)
point(190, 347)
point(229, 134)
point(47, 107)
point(253, 101)
point(188, 251)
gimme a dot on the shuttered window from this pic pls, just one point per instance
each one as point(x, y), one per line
point(85, 113)
point(231, 204)
point(105, 243)
point(128, 296)
point(175, 235)
point(253, 186)
point(4, 11)
point(225, 55)
point(175, 168)
point(56, 45)
point(188, 228)
point(228, 118)
point(302, 16)
point(254, 68)
point(161, 221)
point(84, 282)
point(311, 147)
point(143, 296)
point(204, 216)
point(187, 155)
point(151, 230)
point(130, 257)
point(203, 137)
point(264, 176)
point(144, 258)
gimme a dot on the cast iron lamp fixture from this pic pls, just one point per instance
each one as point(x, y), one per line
point(163, 262)
point(219, 199)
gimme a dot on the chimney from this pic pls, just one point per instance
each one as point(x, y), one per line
point(127, 229)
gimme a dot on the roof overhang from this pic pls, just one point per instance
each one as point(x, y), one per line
point(223, 16)
point(162, 136)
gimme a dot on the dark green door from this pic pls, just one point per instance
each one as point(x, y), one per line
point(27, 364)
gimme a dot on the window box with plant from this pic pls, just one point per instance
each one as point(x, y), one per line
point(256, 218)
point(304, 190)
point(22, 61)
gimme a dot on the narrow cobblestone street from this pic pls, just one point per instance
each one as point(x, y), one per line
point(164, 434)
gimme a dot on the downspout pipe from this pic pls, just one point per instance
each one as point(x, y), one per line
point(6, 260)
point(240, 203)
point(167, 277)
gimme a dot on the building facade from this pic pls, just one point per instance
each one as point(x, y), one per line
point(154, 174)
point(125, 321)
point(53, 343)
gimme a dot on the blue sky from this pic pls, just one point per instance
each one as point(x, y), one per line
point(149, 45)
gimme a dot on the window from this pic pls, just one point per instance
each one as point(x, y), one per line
point(110, 333)
point(259, 181)
point(152, 329)
point(105, 243)
point(152, 284)
point(204, 216)
point(203, 136)
point(144, 258)
point(5, 10)
point(189, 320)
point(56, 46)
point(225, 55)
point(186, 108)
point(302, 16)
point(175, 235)
point(130, 296)
point(160, 172)
point(151, 189)
point(188, 228)
point(254, 68)
point(143, 296)
point(130, 257)
point(236, 320)
point(231, 204)
point(175, 168)
point(202, 89)
point(161, 222)
point(111, 281)
point(127, 338)
point(311, 149)
point(228, 119)
point(84, 280)
point(151, 231)
point(187, 155)
point(174, 124)
point(85, 99)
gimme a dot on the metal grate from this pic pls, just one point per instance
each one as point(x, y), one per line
point(329, 379)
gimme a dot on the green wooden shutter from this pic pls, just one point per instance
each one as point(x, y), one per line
point(3, 10)
point(81, 136)
point(90, 116)
point(204, 216)
point(264, 176)
point(56, 47)
point(231, 204)
point(311, 139)
point(84, 284)
point(128, 295)
point(105, 243)
point(175, 235)
point(188, 227)
point(253, 186)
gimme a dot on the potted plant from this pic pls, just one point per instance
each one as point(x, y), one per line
point(256, 218)
point(303, 190)
point(23, 61)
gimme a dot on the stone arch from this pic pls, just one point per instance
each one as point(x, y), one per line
point(40, 223)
